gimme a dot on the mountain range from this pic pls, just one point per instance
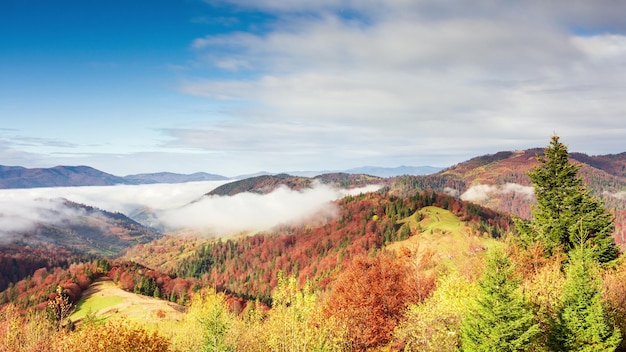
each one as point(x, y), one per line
point(76, 176)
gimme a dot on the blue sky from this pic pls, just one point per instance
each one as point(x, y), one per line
point(237, 86)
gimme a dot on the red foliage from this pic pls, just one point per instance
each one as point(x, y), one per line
point(317, 251)
point(371, 296)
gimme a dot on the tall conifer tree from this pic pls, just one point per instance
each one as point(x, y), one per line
point(499, 319)
point(583, 325)
point(565, 207)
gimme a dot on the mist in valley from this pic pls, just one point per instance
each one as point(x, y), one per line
point(171, 207)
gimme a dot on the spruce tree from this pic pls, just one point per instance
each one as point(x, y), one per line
point(564, 207)
point(499, 319)
point(583, 325)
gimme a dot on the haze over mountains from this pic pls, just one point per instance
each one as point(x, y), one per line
point(74, 176)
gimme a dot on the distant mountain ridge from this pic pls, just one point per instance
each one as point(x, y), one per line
point(170, 177)
point(377, 171)
point(77, 176)
point(58, 176)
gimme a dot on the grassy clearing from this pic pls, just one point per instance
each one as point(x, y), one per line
point(104, 300)
point(440, 233)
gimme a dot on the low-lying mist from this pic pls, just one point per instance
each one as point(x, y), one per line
point(172, 206)
point(250, 211)
point(481, 192)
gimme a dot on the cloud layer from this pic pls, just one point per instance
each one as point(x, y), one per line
point(250, 85)
point(254, 212)
point(174, 206)
point(404, 79)
point(477, 193)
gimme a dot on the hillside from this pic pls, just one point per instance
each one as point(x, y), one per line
point(85, 234)
point(443, 237)
point(317, 250)
point(261, 184)
point(91, 230)
point(500, 181)
point(105, 300)
point(267, 183)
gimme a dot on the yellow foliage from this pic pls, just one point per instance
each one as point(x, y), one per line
point(114, 336)
point(207, 324)
point(614, 289)
point(19, 333)
point(434, 324)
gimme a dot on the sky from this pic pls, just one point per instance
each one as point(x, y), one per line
point(239, 86)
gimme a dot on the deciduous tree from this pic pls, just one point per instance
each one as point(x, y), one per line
point(371, 296)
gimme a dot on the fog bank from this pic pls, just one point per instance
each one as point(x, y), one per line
point(173, 206)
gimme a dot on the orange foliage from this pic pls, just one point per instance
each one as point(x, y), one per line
point(614, 283)
point(370, 298)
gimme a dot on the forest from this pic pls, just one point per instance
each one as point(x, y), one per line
point(392, 270)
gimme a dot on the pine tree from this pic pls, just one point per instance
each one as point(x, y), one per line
point(564, 207)
point(583, 325)
point(499, 319)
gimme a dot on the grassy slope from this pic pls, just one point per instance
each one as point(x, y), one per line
point(105, 300)
point(441, 233)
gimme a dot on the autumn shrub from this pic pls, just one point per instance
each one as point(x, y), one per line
point(248, 330)
point(543, 292)
point(114, 336)
point(614, 289)
point(370, 298)
point(207, 324)
point(295, 322)
point(434, 324)
point(29, 333)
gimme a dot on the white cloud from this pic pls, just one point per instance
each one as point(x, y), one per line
point(22, 209)
point(603, 47)
point(254, 212)
point(480, 192)
point(451, 191)
point(488, 76)
point(619, 195)
point(335, 84)
point(176, 206)
point(19, 214)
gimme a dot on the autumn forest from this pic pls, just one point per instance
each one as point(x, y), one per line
point(534, 263)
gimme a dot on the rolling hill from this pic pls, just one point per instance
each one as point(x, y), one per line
point(81, 233)
point(317, 250)
point(267, 183)
point(500, 181)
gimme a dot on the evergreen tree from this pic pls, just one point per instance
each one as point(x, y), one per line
point(583, 325)
point(565, 207)
point(499, 319)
